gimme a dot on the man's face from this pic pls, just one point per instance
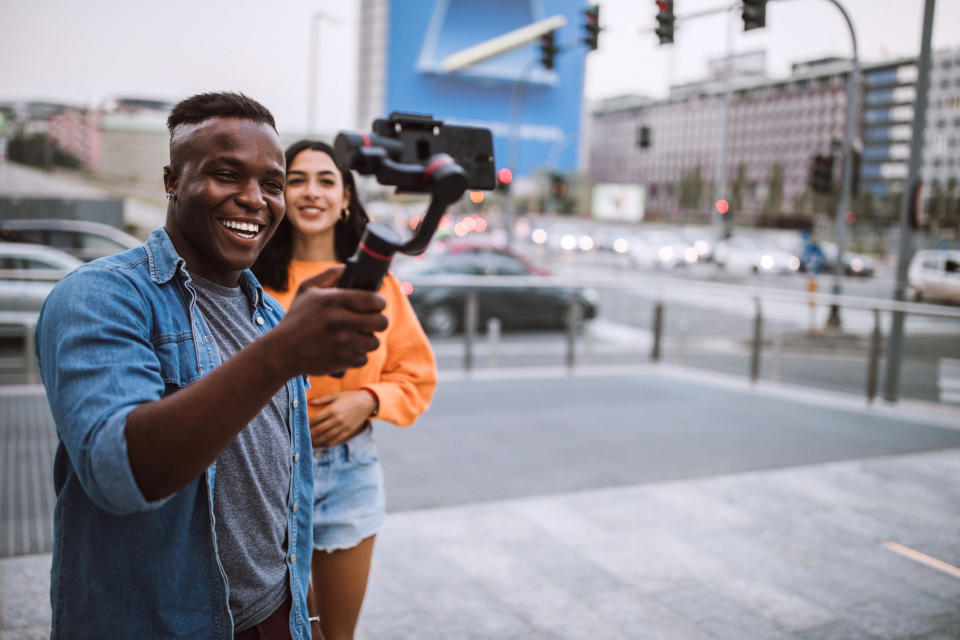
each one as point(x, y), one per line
point(228, 176)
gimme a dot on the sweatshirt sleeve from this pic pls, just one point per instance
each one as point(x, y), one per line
point(409, 375)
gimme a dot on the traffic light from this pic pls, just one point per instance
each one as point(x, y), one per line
point(558, 185)
point(754, 14)
point(643, 136)
point(548, 49)
point(591, 26)
point(821, 174)
point(504, 178)
point(665, 20)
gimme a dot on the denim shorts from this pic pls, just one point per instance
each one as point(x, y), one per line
point(349, 503)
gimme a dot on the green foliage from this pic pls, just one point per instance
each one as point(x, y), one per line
point(690, 193)
point(40, 150)
point(774, 189)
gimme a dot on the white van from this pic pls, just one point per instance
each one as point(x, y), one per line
point(934, 275)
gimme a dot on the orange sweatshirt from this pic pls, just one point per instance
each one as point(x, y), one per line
point(401, 372)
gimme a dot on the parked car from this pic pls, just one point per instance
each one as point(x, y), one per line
point(28, 272)
point(934, 275)
point(81, 238)
point(441, 308)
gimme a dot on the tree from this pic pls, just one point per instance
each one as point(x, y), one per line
point(691, 189)
point(738, 187)
point(40, 150)
point(774, 189)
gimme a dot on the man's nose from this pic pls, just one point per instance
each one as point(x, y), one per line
point(251, 197)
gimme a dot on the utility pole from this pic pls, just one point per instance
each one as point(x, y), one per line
point(891, 387)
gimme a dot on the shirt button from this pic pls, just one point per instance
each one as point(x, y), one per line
point(296, 456)
point(294, 507)
point(296, 403)
point(293, 557)
point(260, 320)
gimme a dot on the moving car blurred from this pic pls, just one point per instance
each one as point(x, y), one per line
point(28, 272)
point(81, 238)
point(744, 255)
point(441, 308)
point(854, 264)
point(934, 275)
point(671, 250)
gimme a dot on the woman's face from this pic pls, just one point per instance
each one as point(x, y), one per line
point(315, 194)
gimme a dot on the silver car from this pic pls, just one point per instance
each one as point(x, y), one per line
point(84, 239)
point(28, 272)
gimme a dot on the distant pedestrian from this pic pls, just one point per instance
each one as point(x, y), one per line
point(178, 393)
point(323, 226)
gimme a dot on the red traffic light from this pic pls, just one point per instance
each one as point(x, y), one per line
point(504, 176)
point(722, 206)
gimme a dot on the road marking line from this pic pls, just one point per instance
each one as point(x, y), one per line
point(923, 558)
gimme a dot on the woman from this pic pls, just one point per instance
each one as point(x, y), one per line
point(322, 227)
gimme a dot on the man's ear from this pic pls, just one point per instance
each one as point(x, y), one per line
point(169, 180)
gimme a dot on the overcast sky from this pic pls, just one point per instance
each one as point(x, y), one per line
point(85, 52)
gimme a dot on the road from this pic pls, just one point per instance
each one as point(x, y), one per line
point(517, 433)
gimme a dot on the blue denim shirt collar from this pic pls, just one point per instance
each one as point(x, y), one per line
point(165, 263)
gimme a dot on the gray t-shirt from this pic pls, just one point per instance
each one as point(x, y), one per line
point(252, 481)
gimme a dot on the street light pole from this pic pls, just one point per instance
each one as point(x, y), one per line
point(720, 169)
point(313, 57)
point(891, 387)
point(853, 108)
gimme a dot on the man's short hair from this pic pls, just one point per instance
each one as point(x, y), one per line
point(222, 104)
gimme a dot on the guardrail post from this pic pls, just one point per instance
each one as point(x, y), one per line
point(573, 312)
point(777, 374)
point(29, 359)
point(469, 329)
point(657, 330)
point(873, 360)
point(493, 340)
point(757, 340)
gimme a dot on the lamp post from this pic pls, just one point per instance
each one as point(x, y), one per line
point(313, 58)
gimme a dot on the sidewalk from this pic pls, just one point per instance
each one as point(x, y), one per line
point(862, 548)
point(809, 552)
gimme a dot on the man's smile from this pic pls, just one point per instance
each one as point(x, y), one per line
point(246, 230)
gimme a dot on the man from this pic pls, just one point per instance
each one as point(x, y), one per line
point(183, 471)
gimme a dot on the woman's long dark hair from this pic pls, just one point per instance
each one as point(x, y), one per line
point(272, 267)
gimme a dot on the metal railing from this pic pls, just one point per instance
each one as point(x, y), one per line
point(662, 291)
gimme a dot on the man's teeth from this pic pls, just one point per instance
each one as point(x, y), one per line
point(244, 229)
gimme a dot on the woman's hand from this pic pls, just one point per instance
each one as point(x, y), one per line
point(343, 417)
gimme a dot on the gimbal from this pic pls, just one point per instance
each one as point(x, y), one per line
point(438, 173)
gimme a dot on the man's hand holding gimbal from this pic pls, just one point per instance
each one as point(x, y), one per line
point(329, 329)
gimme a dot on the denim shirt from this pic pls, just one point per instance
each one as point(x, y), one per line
point(114, 334)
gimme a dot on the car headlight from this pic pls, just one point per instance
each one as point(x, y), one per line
point(856, 265)
point(793, 263)
point(666, 254)
point(590, 295)
point(766, 262)
point(621, 245)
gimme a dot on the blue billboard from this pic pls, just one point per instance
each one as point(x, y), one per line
point(511, 94)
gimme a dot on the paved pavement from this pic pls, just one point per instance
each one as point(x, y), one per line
point(854, 539)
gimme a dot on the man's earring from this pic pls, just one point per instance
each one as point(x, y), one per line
point(171, 196)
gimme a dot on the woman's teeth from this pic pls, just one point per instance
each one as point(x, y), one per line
point(243, 229)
